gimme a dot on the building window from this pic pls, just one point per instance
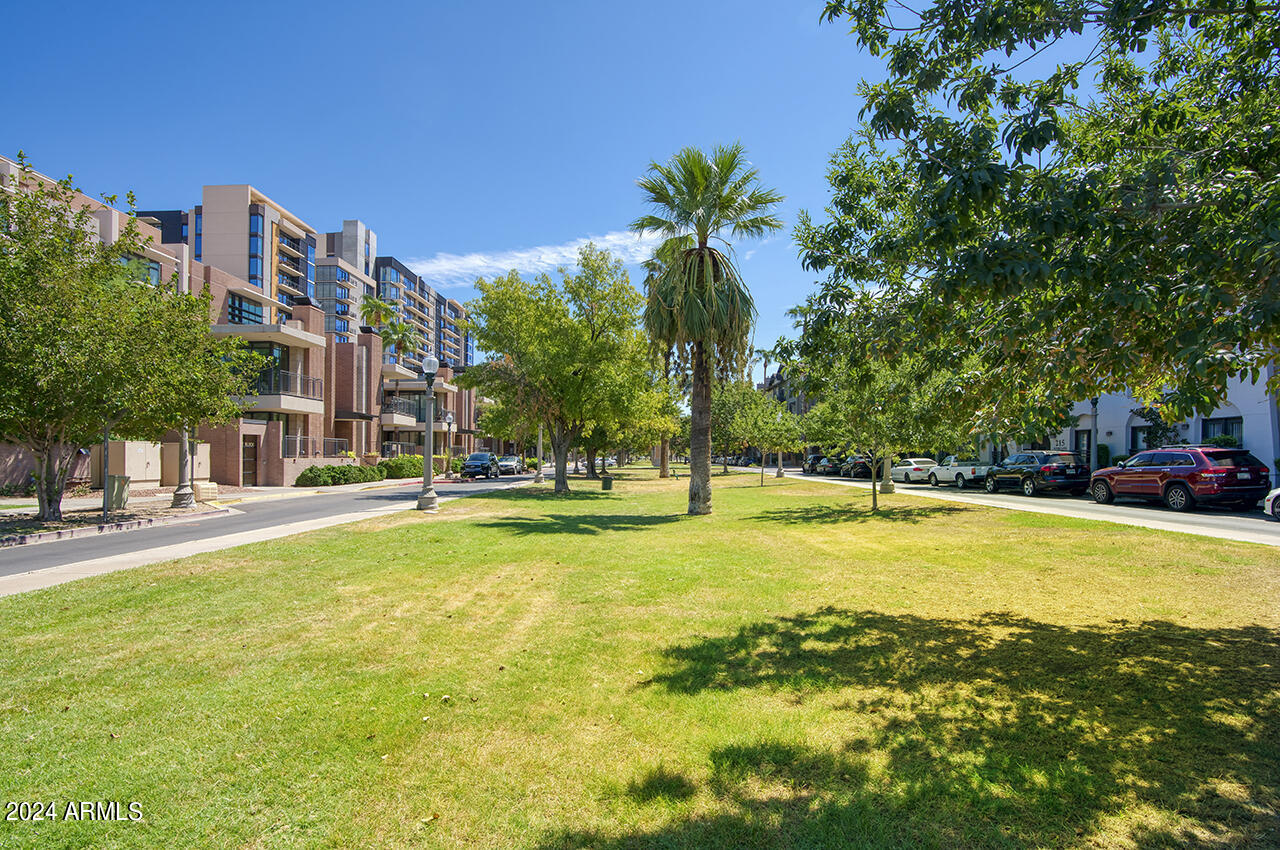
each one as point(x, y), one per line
point(341, 338)
point(255, 224)
point(255, 271)
point(341, 325)
point(242, 311)
point(1223, 426)
point(1138, 438)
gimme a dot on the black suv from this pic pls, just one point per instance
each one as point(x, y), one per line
point(481, 463)
point(1033, 472)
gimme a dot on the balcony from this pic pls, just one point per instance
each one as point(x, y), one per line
point(285, 333)
point(292, 247)
point(394, 449)
point(284, 265)
point(398, 412)
point(280, 391)
point(297, 445)
point(393, 368)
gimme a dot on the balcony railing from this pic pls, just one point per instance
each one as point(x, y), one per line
point(335, 447)
point(396, 404)
point(280, 382)
point(297, 445)
point(391, 449)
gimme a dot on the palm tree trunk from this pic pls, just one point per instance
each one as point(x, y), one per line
point(700, 433)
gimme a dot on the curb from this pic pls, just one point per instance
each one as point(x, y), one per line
point(109, 528)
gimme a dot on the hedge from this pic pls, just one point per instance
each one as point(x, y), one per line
point(404, 466)
point(327, 476)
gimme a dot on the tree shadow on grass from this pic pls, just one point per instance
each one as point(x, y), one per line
point(810, 514)
point(996, 731)
point(540, 494)
point(577, 523)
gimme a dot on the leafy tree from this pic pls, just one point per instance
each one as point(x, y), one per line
point(561, 353)
point(734, 410)
point(1159, 432)
point(88, 346)
point(774, 429)
point(697, 303)
point(1107, 222)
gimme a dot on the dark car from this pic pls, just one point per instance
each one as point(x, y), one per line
point(1040, 471)
point(1183, 476)
point(807, 466)
point(827, 466)
point(481, 463)
point(855, 467)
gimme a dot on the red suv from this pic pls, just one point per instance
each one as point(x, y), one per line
point(1184, 476)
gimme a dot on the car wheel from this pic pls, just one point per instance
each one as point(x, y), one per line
point(933, 480)
point(991, 484)
point(959, 482)
point(1275, 509)
point(906, 478)
point(1029, 487)
point(1102, 493)
point(1179, 498)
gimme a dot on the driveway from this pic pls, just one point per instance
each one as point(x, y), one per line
point(1253, 527)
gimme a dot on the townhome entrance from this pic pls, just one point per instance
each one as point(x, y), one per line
point(249, 462)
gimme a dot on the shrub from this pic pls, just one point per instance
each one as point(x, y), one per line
point(457, 464)
point(1104, 455)
point(327, 476)
point(404, 466)
point(531, 463)
point(1223, 441)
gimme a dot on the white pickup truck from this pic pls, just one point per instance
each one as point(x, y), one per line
point(958, 470)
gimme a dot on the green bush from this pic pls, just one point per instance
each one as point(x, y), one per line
point(327, 476)
point(1223, 441)
point(1104, 455)
point(405, 466)
point(531, 463)
point(457, 465)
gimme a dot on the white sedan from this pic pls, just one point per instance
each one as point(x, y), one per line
point(912, 469)
point(1272, 503)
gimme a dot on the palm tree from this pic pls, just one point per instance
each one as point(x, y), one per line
point(375, 312)
point(698, 305)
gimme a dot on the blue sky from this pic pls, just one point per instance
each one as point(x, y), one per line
point(472, 137)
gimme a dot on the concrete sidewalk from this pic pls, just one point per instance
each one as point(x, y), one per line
point(60, 573)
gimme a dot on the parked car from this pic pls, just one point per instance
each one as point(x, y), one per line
point(481, 463)
point(958, 470)
point(808, 464)
point(510, 465)
point(827, 466)
point(856, 466)
point(1272, 504)
point(1033, 472)
point(1184, 476)
point(911, 469)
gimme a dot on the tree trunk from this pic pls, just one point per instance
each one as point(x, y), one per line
point(700, 433)
point(591, 465)
point(664, 458)
point(560, 450)
point(53, 463)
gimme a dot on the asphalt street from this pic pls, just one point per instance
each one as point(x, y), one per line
point(1252, 527)
point(252, 516)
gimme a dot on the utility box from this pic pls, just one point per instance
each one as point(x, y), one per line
point(117, 492)
point(205, 491)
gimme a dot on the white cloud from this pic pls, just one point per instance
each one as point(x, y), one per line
point(451, 270)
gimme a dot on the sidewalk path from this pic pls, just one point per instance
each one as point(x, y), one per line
point(24, 568)
point(1252, 527)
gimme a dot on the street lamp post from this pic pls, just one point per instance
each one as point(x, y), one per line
point(427, 499)
point(183, 494)
point(448, 449)
point(537, 474)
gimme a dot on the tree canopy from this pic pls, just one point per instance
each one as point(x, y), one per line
point(1108, 221)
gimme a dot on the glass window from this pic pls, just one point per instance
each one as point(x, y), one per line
point(340, 338)
point(199, 223)
point(1138, 437)
point(255, 224)
point(242, 311)
point(255, 246)
point(1236, 458)
point(1224, 426)
point(199, 246)
point(255, 267)
point(1142, 460)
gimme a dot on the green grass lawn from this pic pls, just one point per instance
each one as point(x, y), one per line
point(602, 671)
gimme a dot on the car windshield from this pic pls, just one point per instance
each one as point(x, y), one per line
point(1232, 459)
point(481, 456)
point(508, 457)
